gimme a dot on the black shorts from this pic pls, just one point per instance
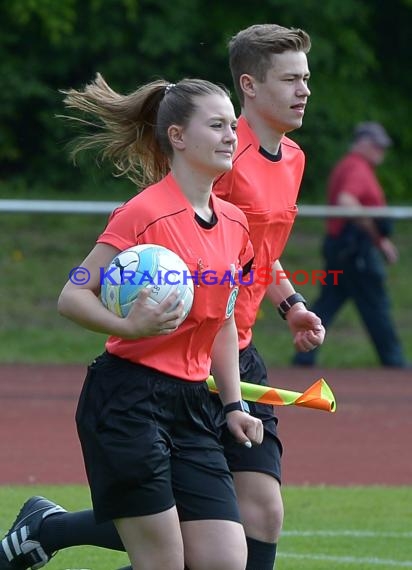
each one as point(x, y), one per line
point(149, 442)
point(264, 458)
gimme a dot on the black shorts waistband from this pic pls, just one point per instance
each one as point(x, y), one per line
point(124, 364)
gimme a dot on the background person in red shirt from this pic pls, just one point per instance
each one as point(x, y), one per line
point(360, 247)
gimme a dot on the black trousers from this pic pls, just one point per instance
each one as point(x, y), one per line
point(364, 282)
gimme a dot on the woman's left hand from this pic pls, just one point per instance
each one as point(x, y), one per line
point(245, 428)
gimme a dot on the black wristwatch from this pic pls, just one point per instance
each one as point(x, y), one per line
point(286, 305)
point(240, 406)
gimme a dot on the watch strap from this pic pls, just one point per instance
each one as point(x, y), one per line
point(288, 303)
point(240, 406)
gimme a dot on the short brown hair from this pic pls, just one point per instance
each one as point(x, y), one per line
point(250, 50)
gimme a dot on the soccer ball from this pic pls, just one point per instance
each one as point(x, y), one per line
point(141, 266)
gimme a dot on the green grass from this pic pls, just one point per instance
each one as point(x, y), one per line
point(362, 528)
point(38, 250)
point(346, 528)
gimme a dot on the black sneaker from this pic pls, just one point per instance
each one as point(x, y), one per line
point(20, 548)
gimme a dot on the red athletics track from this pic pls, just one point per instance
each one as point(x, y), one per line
point(366, 442)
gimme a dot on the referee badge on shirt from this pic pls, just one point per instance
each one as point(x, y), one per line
point(231, 302)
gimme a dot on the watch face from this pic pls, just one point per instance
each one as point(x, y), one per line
point(245, 407)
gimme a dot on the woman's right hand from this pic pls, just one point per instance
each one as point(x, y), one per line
point(146, 318)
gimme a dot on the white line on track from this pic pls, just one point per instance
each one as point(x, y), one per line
point(351, 533)
point(348, 560)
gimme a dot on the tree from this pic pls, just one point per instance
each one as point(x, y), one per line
point(359, 63)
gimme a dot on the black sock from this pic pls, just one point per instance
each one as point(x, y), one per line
point(75, 529)
point(261, 555)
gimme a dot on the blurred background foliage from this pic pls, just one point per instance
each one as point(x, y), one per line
point(359, 62)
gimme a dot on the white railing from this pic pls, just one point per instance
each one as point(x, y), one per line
point(92, 207)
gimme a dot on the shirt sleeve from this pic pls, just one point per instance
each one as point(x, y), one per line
point(121, 229)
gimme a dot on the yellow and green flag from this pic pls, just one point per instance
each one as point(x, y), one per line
point(318, 396)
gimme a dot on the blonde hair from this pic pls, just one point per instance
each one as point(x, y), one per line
point(133, 129)
point(251, 50)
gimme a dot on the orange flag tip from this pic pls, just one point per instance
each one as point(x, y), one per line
point(319, 396)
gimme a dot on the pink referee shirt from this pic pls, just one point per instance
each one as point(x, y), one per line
point(161, 214)
point(266, 191)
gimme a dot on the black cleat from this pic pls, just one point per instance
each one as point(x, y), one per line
point(20, 548)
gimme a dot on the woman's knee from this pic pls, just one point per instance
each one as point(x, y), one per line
point(261, 505)
point(214, 545)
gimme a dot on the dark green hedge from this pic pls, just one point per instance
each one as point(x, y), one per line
point(359, 63)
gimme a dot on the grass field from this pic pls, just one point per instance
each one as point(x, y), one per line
point(367, 528)
point(38, 251)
